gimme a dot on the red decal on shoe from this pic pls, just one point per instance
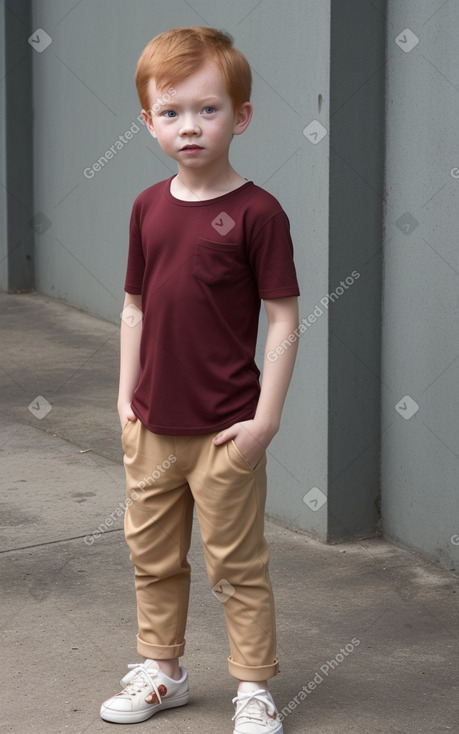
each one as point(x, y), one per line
point(272, 716)
point(162, 690)
point(152, 698)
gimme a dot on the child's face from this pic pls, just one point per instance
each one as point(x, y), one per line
point(196, 125)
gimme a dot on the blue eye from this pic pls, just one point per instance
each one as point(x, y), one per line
point(169, 113)
point(209, 110)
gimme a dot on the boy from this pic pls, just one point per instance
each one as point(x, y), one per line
point(205, 246)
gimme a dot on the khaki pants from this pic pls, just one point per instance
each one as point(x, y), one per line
point(165, 476)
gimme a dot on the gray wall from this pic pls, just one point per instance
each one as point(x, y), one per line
point(420, 345)
point(357, 84)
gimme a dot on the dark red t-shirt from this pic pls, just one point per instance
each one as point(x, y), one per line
point(202, 268)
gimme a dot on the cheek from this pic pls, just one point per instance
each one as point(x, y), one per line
point(219, 134)
point(164, 133)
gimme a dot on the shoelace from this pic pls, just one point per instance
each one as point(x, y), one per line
point(253, 705)
point(139, 672)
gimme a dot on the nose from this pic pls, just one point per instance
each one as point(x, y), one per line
point(189, 125)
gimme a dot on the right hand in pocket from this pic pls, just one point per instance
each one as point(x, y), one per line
point(126, 414)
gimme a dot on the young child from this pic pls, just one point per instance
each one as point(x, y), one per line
point(206, 246)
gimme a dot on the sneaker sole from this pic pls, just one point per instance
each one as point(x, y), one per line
point(129, 717)
point(278, 730)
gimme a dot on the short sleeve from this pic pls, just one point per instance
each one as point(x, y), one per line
point(271, 259)
point(136, 260)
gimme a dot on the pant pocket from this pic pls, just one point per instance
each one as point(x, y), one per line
point(125, 432)
point(241, 458)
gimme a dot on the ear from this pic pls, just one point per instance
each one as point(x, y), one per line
point(148, 120)
point(242, 118)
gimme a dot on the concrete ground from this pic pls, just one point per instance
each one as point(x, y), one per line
point(368, 632)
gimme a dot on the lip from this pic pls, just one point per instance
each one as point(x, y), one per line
point(190, 148)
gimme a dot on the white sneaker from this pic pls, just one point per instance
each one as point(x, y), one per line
point(147, 691)
point(256, 714)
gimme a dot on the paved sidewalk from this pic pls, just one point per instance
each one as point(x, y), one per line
point(368, 632)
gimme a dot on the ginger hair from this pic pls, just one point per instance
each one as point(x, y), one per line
point(175, 54)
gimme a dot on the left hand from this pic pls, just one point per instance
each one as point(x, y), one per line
point(248, 440)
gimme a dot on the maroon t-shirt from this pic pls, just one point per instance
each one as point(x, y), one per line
point(202, 268)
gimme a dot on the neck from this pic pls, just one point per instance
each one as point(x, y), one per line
point(202, 183)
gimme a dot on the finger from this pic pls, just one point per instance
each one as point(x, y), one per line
point(225, 435)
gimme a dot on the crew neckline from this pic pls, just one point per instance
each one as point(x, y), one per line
point(204, 202)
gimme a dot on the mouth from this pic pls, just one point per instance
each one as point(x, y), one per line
point(191, 147)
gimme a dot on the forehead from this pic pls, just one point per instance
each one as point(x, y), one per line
point(207, 81)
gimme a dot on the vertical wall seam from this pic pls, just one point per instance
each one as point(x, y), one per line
point(19, 148)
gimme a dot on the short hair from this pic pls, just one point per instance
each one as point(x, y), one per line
point(175, 54)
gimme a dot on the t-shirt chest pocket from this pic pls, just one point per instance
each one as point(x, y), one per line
point(214, 262)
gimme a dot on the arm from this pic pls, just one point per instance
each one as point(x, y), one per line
point(131, 332)
point(252, 437)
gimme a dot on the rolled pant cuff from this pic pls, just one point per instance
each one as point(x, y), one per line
point(159, 652)
point(253, 674)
